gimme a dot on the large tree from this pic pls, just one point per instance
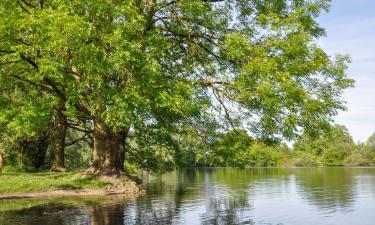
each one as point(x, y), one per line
point(150, 66)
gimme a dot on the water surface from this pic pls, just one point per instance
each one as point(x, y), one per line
point(264, 196)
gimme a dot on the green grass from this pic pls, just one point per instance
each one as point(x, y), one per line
point(18, 183)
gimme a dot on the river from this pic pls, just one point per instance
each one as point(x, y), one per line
point(264, 196)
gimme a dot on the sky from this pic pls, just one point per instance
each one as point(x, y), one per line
point(350, 28)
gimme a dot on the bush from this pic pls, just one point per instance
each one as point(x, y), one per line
point(304, 159)
point(261, 155)
point(335, 155)
point(360, 157)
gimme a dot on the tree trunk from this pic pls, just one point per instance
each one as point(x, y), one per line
point(1, 163)
point(58, 139)
point(109, 150)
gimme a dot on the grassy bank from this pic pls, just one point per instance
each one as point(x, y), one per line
point(20, 183)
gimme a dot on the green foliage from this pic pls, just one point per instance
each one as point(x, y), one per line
point(331, 147)
point(361, 156)
point(262, 155)
point(26, 154)
point(79, 154)
point(190, 151)
point(161, 149)
point(229, 147)
point(237, 149)
point(32, 154)
point(335, 155)
point(151, 151)
point(304, 159)
point(370, 143)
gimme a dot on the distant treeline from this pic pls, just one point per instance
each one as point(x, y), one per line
point(235, 148)
point(332, 148)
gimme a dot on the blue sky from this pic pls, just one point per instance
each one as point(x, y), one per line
point(350, 28)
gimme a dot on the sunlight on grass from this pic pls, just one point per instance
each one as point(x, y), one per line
point(29, 182)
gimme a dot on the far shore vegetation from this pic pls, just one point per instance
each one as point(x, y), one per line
point(332, 148)
point(226, 149)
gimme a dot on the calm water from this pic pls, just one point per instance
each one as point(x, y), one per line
point(326, 196)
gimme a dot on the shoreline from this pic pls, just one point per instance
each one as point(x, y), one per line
point(118, 186)
point(69, 193)
point(114, 185)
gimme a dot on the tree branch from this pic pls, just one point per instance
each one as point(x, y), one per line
point(76, 140)
point(217, 96)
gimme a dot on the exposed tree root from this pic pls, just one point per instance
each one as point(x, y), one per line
point(58, 169)
point(119, 180)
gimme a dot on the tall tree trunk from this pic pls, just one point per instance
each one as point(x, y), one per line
point(58, 139)
point(1, 163)
point(109, 149)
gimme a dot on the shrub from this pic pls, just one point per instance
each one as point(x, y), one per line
point(304, 159)
point(261, 155)
point(335, 155)
point(361, 157)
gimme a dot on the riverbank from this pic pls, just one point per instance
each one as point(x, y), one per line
point(48, 184)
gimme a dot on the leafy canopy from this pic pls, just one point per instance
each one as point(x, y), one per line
point(158, 65)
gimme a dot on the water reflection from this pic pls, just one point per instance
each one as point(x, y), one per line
point(220, 196)
point(226, 211)
point(52, 214)
point(330, 189)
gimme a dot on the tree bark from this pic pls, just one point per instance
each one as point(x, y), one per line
point(1, 163)
point(58, 139)
point(109, 150)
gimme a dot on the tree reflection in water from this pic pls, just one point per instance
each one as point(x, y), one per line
point(51, 214)
point(331, 189)
point(227, 211)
